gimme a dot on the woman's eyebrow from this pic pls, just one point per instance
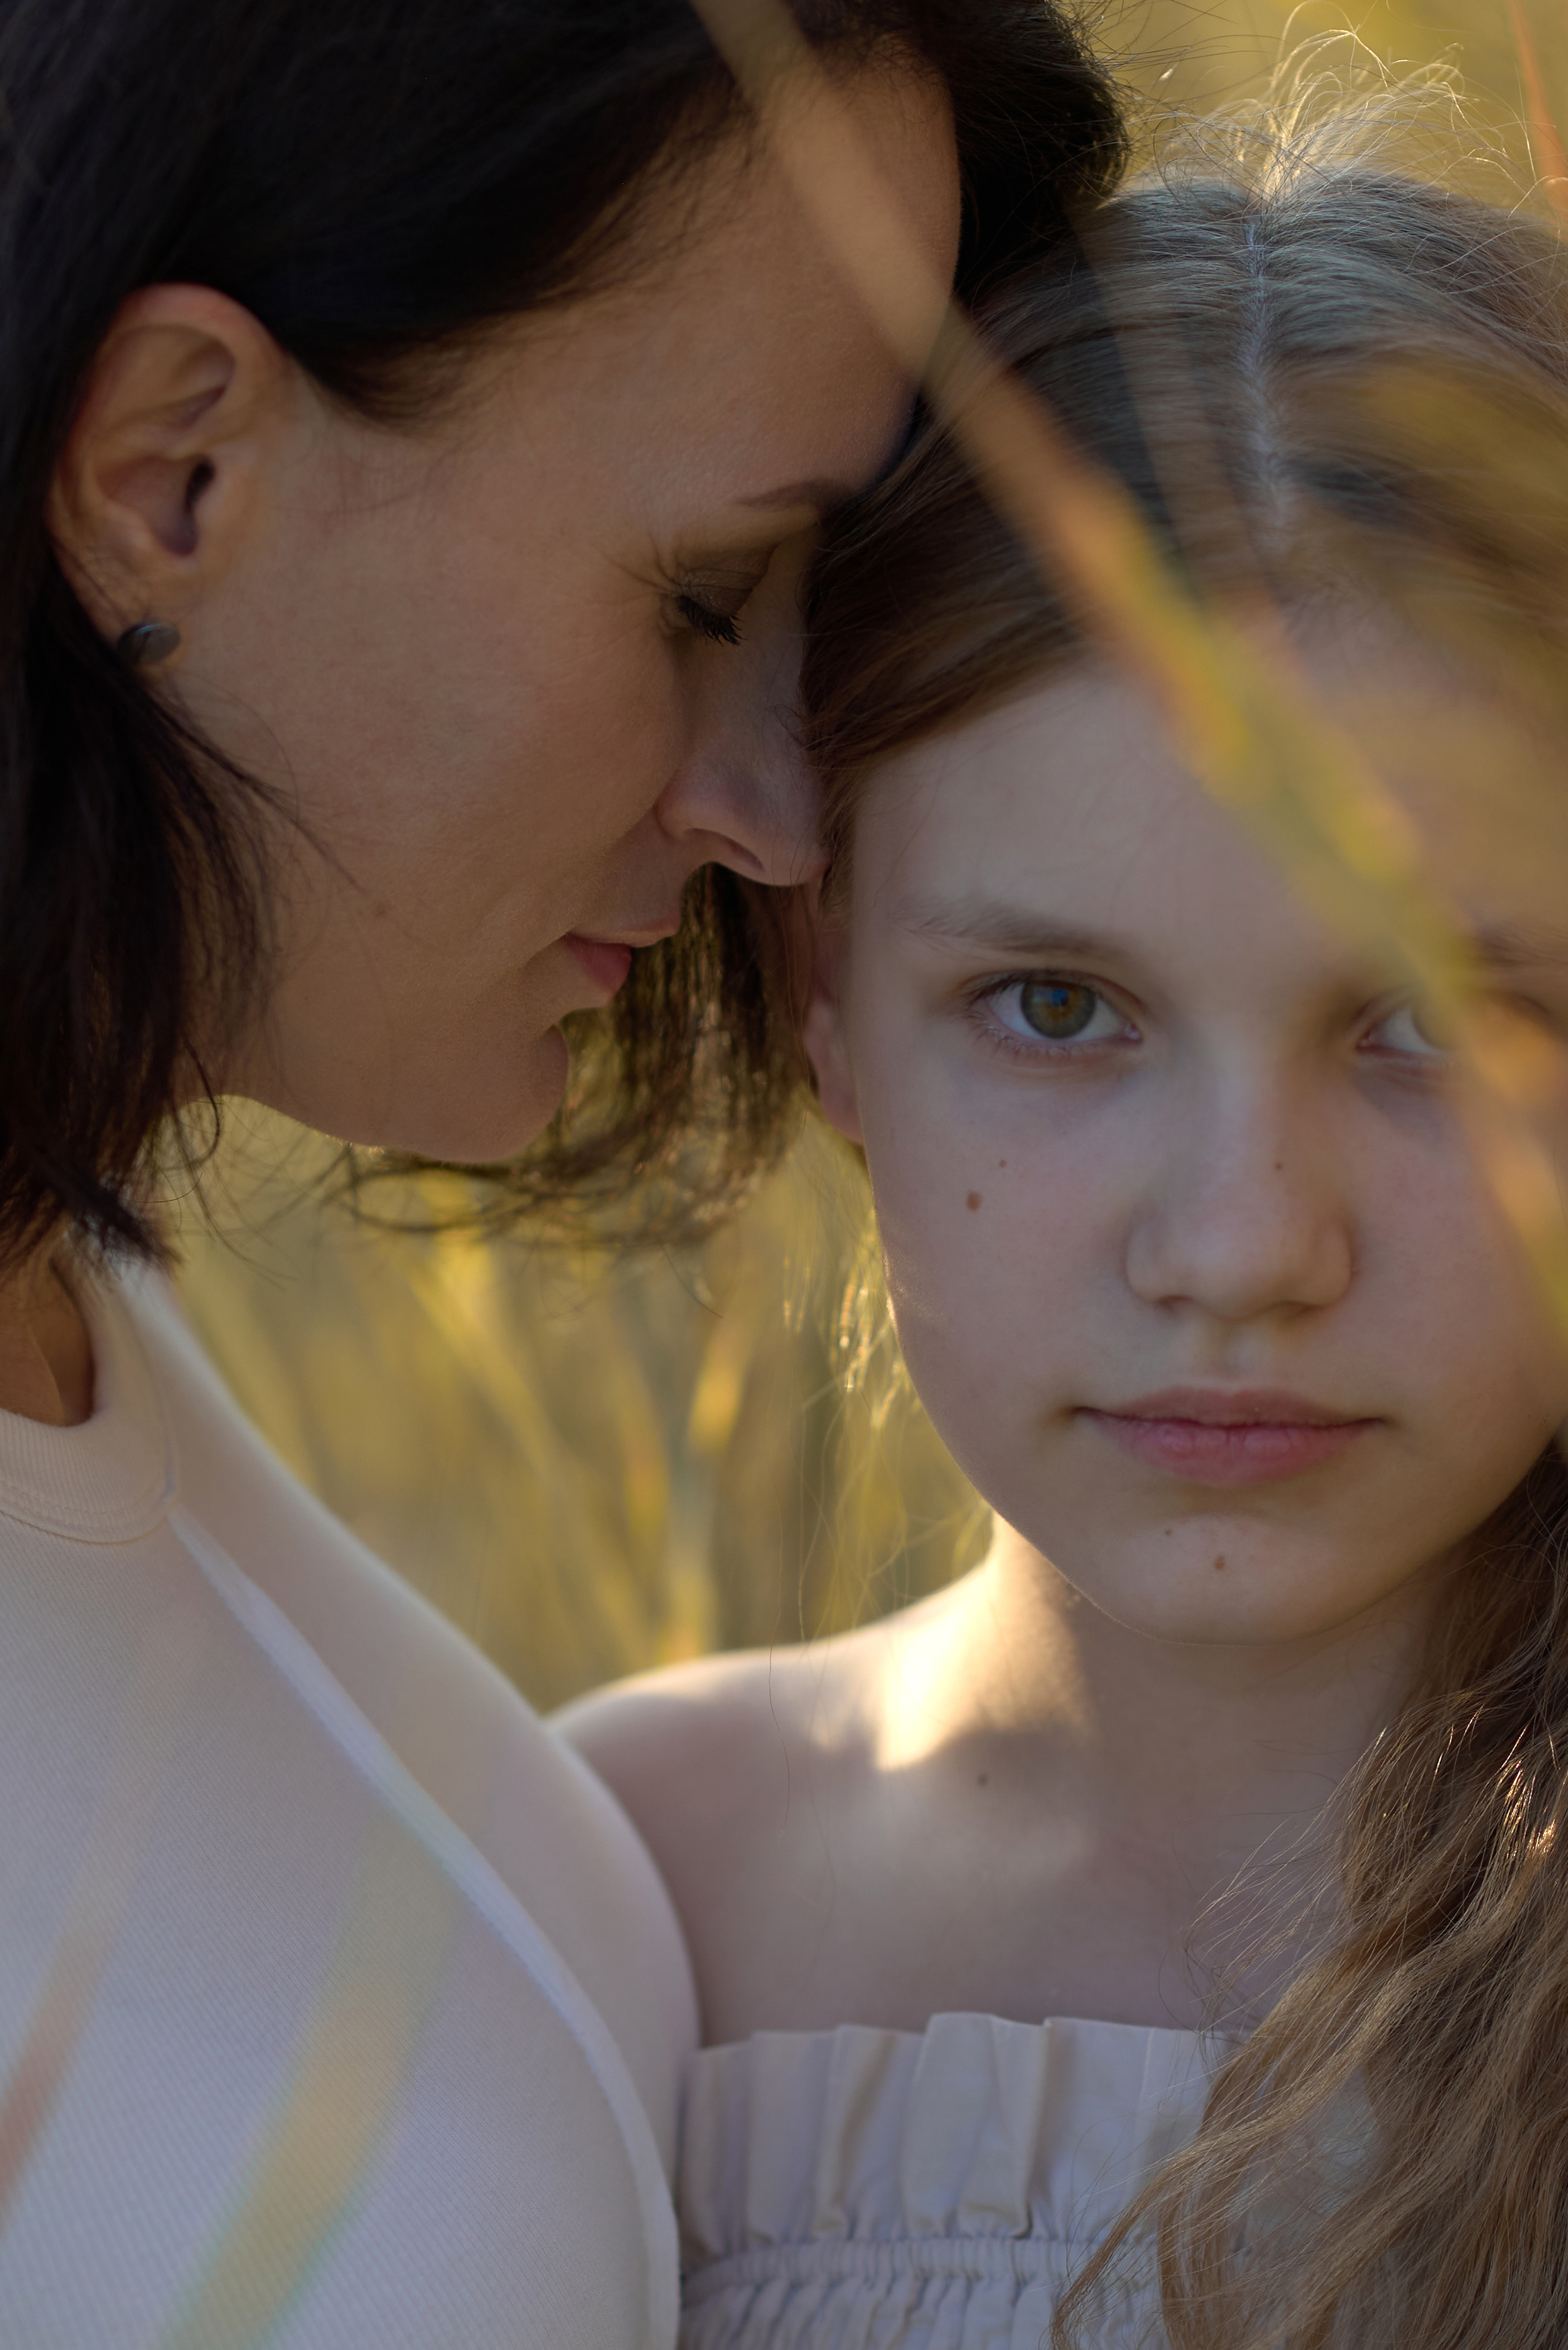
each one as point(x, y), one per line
point(817, 497)
point(1002, 928)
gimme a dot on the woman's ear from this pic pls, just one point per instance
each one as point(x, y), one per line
point(156, 487)
point(826, 1043)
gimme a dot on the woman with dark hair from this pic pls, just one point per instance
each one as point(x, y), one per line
point(412, 414)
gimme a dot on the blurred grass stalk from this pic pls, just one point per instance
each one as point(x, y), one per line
point(592, 1466)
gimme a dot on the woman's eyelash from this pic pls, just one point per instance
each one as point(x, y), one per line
point(703, 621)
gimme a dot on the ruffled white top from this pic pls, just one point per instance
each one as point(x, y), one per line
point(867, 2190)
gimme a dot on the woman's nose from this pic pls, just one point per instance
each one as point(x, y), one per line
point(744, 795)
point(1245, 1216)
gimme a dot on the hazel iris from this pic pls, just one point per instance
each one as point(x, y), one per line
point(1059, 1009)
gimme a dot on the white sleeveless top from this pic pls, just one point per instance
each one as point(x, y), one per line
point(336, 1996)
point(864, 2190)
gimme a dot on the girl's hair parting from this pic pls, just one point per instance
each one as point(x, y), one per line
point(379, 182)
point(1318, 375)
point(1314, 372)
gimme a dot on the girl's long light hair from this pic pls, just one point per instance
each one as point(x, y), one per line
point(1321, 374)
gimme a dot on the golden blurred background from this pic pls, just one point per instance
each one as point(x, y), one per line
point(595, 1467)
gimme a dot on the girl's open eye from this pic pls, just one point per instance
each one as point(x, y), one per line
point(1410, 1031)
point(1040, 1009)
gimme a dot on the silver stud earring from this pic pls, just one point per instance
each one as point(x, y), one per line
point(148, 641)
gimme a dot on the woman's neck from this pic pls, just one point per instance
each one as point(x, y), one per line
point(46, 1353)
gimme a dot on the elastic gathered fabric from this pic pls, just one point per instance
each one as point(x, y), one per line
point(868, 2189)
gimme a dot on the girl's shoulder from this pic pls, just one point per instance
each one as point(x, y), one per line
point(748, 1775)
point(660, 1737)
point(729, 1767)
point(709, 1755)
point(723, 1747)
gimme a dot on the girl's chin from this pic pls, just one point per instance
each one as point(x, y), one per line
point(1230, 1598)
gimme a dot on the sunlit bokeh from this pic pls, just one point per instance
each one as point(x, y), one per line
point(591, 1466)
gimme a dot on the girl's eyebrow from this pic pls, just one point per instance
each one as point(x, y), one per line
point(1518, 946)
point(1019, 934)
point(1002, 928)
point(1005, 928)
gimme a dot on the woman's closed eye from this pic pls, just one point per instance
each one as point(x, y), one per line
point(1040, 1011)
point(708, 604)
point(706, 619)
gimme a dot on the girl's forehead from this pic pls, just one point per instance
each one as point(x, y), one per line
point(1063, 813)
point(1068, 811)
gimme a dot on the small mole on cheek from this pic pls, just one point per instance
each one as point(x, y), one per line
point(1002, 1162)
point(983, 1780)
point(1219, 1564)
point(974, 1200)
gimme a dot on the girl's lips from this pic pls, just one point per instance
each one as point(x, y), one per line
point(1228, 1441)
point(606, 961)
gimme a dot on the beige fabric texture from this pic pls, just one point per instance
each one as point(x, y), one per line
point(340, 2007)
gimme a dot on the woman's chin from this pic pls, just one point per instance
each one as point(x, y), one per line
point(467, 1115)
point(488, 1122)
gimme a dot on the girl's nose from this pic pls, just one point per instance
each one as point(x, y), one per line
point(1245, 1216)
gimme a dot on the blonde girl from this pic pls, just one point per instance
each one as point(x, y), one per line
point(1165, 1930)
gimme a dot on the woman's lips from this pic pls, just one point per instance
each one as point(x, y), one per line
point(1245, 1438)
point(605, 960)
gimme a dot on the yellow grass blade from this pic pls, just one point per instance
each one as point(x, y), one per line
point(1543, 131)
